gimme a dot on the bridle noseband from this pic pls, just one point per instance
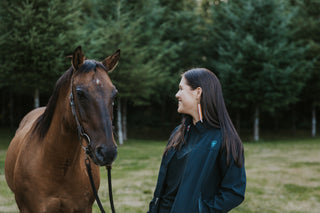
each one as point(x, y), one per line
point(88, 151)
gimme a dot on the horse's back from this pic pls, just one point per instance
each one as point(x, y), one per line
point(18, 141)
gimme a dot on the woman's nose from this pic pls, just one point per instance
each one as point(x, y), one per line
point(177, 94)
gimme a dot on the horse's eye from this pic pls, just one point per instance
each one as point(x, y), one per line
point(81, 94)
point(114, 97)
point(114, 100)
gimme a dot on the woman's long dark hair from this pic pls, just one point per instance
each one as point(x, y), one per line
point(215, 114)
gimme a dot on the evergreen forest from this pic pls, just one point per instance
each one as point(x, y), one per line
point(265, 53)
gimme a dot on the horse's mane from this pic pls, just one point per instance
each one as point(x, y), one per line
point(43, 122)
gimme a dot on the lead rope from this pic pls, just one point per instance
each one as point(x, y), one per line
point(87, 162)
point(109, 167)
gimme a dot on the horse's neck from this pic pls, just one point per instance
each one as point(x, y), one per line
point(62, 137)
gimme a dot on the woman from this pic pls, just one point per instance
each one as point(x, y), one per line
point(202, 169)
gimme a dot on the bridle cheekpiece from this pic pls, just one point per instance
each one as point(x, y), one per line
point(80, 130)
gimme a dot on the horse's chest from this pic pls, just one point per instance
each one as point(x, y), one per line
point(65, 200)
point(58, 192)
point(65, 205)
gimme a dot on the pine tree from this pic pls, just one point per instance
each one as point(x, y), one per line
point(308, 31)
point(182, 31)
point(36, 36)
point(157, 41)
point(259, 64)
point(129, 27)
point(133, 28)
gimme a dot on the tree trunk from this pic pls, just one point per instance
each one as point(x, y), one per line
point(276, 123)
point(124, 119)
point(120, 135)
point(314, 121)
point(294, 128)
point(256, 125)
point(36, 98)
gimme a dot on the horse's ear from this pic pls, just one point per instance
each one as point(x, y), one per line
point(111, 62)
point(77, 58)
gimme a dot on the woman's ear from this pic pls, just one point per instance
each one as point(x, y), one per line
point(199, 93)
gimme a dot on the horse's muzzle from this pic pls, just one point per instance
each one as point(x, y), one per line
point(105, 155)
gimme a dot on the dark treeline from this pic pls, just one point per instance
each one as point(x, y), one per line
point(266, 54)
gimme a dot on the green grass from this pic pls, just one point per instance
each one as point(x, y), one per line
point(282, 176)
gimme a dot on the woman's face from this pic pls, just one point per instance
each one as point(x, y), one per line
point(187, 99)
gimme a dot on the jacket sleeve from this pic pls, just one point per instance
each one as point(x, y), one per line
point(153, 205)
point(232, 188)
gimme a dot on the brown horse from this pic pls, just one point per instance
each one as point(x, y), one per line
point(45, 165)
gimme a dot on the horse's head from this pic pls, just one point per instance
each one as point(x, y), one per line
point(91, 96)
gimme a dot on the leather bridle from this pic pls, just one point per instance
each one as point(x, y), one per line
point(88, 151)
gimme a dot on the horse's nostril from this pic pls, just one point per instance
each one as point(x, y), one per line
point(100, 151)
point(105, 154)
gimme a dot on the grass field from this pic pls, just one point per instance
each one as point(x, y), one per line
point(282, 176)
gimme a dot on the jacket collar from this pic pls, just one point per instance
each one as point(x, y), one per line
point(201, 127)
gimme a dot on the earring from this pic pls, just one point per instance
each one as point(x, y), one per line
point(200, 112)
